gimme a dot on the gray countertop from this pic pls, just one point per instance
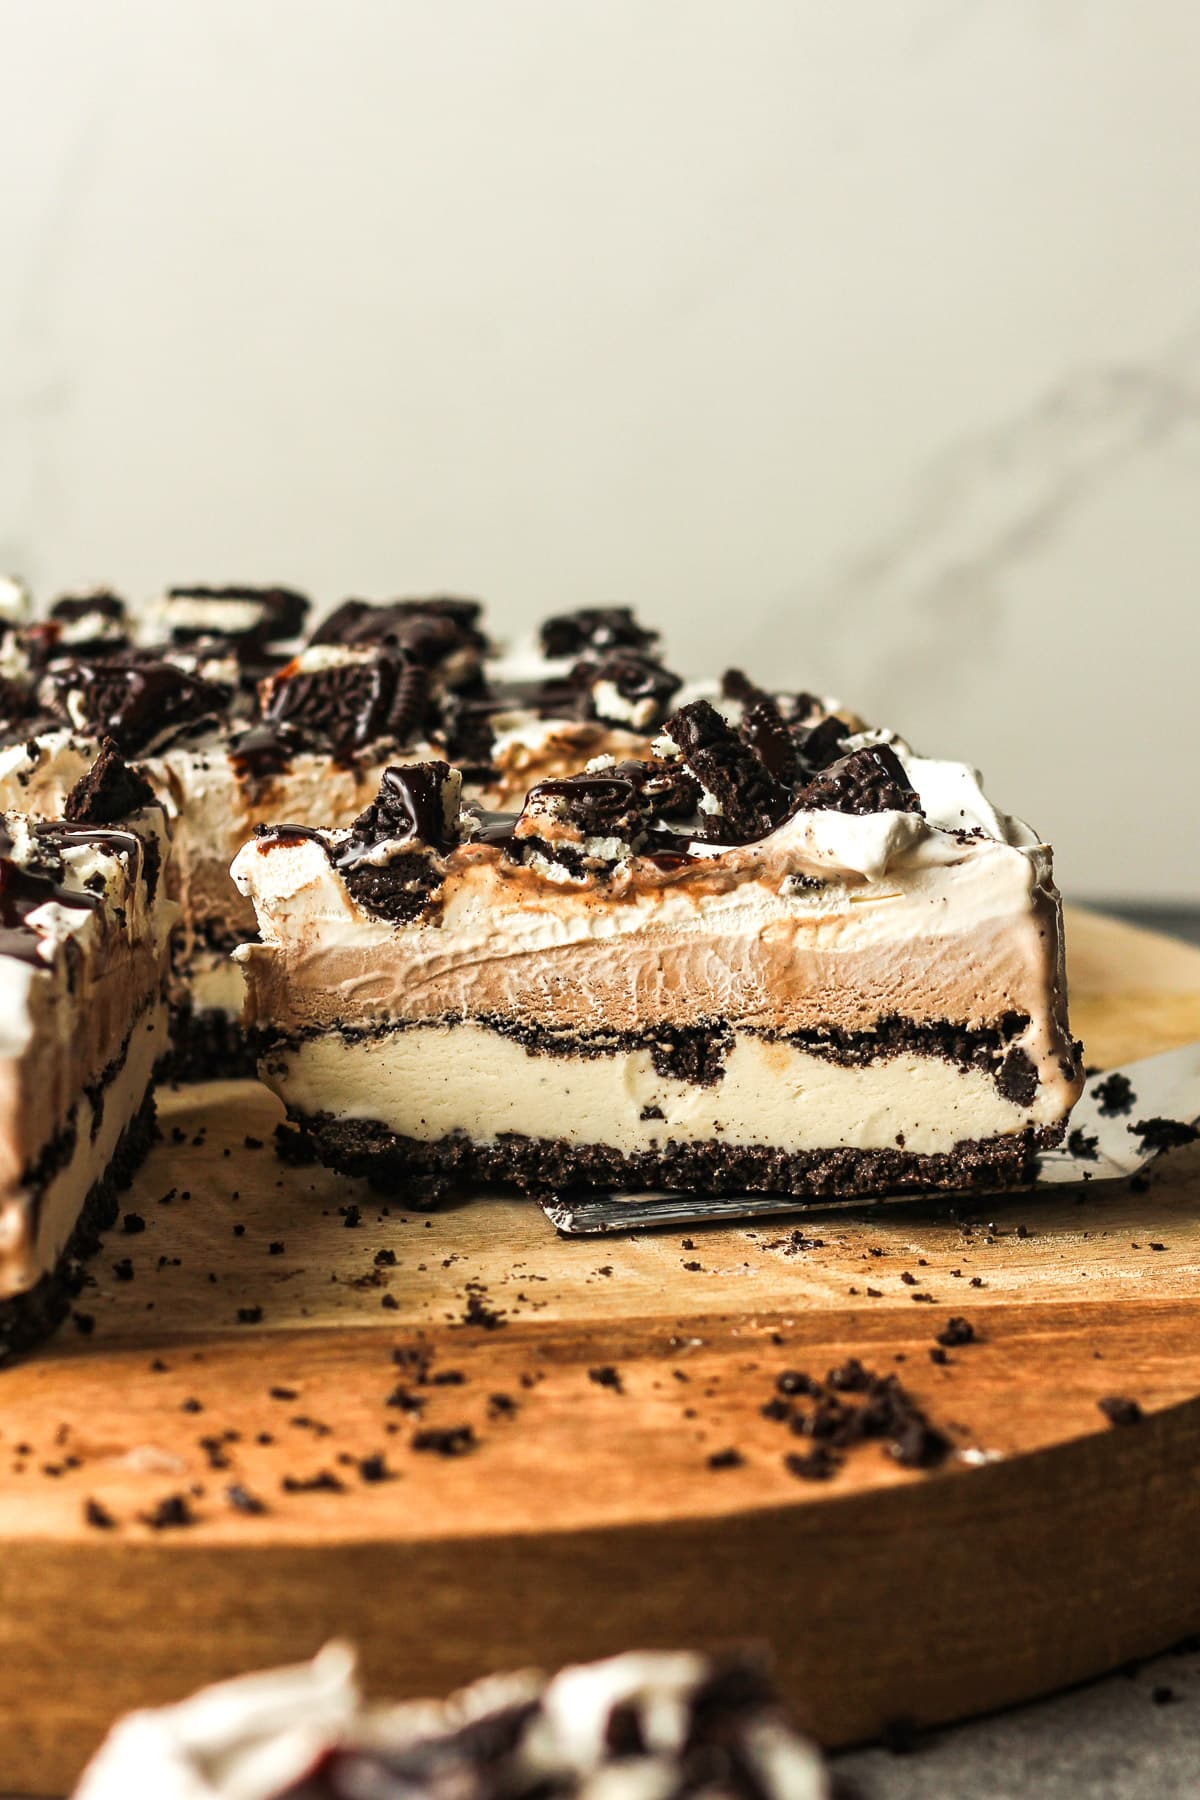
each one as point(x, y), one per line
point(1133, 1736)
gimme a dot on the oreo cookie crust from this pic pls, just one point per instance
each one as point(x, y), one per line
point(537, 1166)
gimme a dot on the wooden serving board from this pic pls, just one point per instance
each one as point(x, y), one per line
point(586, 1517)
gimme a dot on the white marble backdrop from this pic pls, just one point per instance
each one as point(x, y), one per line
point(858, 340)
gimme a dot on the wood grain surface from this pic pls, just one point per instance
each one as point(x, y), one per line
point(247, 1339)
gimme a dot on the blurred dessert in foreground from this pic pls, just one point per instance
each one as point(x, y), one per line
point(656, 1725)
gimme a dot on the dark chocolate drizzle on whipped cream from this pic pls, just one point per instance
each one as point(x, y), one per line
point(26, 886)
point(411, 804)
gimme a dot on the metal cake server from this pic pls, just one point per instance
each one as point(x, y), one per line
point(1102, 1146)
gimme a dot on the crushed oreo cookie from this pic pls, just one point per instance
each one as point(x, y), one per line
point(1119, 1409)
point(764, 730)
point(741, 797)
point(594, 628)
point(1160, 1135)
point(670, 791)
point(627, 689)
point(820, 745)
point(140, 703)
point(392, 861)
point(1114, 1095)
point(342, 706)
point(869, 780)
point(582, 824)
point(879, 1409)
point(1017, 1077)
point(109, 792)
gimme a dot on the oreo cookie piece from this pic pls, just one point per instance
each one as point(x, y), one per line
point(627, 689)
point(672, 792)
point(869, 780)
point(415, 801)
point(343, 702)
point(138, 702)
point(110, 791)
point(695, 727)
point(793, 708)
point(582, 824)
point(428, 631)
point(594, 628)
point(263, 615)
point(18, 706)
point(820, 745)
point(764, 731)
point(743, 799)
point(392, 862)
point(401, 886)
point(90, 624)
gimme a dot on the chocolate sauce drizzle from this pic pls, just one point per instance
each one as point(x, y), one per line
point(23, 889)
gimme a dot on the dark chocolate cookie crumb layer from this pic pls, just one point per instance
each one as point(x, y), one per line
point(697, 1052)
point(365, 1147)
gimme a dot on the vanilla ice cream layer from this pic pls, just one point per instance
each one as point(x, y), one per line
point(430, 1082)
